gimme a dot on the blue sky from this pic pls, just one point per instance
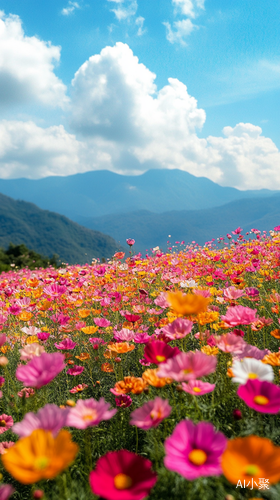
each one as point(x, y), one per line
point(218, 116)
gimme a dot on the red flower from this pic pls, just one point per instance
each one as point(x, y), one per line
point(132, 317)
point(122, 475)
point(159, 352)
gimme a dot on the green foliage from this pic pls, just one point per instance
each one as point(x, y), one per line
point(19, 257)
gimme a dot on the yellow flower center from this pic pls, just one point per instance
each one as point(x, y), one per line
point(187, 370)
point(2, 423)
point(41, 463)
point(122, 481)
point(90, 416)
point(252, 375)
point(196, 389)
point(160, 359)
point(261, 400)
point(197, 457)
point(252, 470)
point(155, 414)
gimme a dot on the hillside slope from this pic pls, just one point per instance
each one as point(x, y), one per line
point(48, 233)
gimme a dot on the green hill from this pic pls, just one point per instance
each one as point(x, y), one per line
point(49, 233)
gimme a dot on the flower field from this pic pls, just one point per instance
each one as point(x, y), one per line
point(148, 377)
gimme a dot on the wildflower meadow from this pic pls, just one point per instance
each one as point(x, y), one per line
point(144, 377)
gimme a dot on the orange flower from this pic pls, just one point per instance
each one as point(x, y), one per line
point(25, 316)
point(136, 385)
point(37, 293)
point(83, 356)
point(6, 348)
point(96, 312)
point(40, 456)
point(44, 305)
point(128, 325)
point(121, 347)
point(150, 376)
point(251, 457)
point(163, 322)
point(89, 330)
point(207, 317)
point(33, 283)
point(110, 354)
point(84, 313)
point(272, 359)
point(275, 333)
point(107, 367)
point(187, 304)
point(210, 351)
point(230, 372)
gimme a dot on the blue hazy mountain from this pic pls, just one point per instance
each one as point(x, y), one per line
point(151, 229)
point(99, 193)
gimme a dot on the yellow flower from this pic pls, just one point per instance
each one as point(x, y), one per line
point(187, 304)
point(89, 330)
point(84, 313)
point(32, 339)
point(210, 351)
point(25, 316)
point(207, 317)
point(40, 456)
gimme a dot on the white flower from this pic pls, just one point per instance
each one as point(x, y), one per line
point(188, 284)
point(31, 350)
point(31, 330)
point(251, 368)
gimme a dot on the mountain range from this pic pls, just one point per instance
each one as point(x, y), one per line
point(49, 233)
point(98, 193)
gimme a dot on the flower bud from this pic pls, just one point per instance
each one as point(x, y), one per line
point(3, 361)
point(237, 415)
point(38, 494)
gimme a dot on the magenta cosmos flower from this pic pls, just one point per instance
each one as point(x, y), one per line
point(159, 352)
point(89, 412)
point(188, 366)
point(124, 401)
point(151, 414)
point(49, 418)
point(6, 490)
point(102, 322)
point(122, 475)
point(178, 329)
point(75, 370)
point(41, 369)
point(197, 387)
point(66, 344)
point(239, 315)
point(6, 422)
point(130, 241)
point(260, 395)
point(195, 450)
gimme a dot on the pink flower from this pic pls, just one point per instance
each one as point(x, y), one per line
point(80, 324)
point(78, 388)
point(75, 370)
point(96, 342)
point(49, 418)
point(204, 293)
point(31, 330)
point(55, 290)
point(188, 366)
point(43, 335)
point(233, 293)
point(237, 231)
point(144, 362)
point(26, 392)
point(239, 315)
point(2, 381)
point(195, 450)
point(3, 339)
point(197, 387)
point(89, 412)
point(60, 318)
point(66, 344)
point(252, 292)
point(132, 317)
point(102, 322)
point(30, 351)
point(161, 300)
point(151, 414)
point(6, 490)
point(142, 338)
point(14, 310)
point(124, 401)
point(158, 352)
point(230, 343)
point(250, 351)
point(5, 445)
point(6, 422)
point(41, 370)
point(127, 476)
point(99, 271)
point(178, 329)
point(130, 242)
point(124, 335)
point(260, 395)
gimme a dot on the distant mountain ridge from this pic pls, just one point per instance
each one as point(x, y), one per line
point(98, 193)
point(49, 233)
point(151, 230)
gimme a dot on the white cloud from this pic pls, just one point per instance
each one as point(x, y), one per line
point(139, 21)
point(125, 10)
point(188, 7)
point(70, 9)
point(26, 67)
point(183, 29)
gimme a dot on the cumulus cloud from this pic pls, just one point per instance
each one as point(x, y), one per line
point(70, 8)
point(183, 27)
point(125, 9)
point(26, 67)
